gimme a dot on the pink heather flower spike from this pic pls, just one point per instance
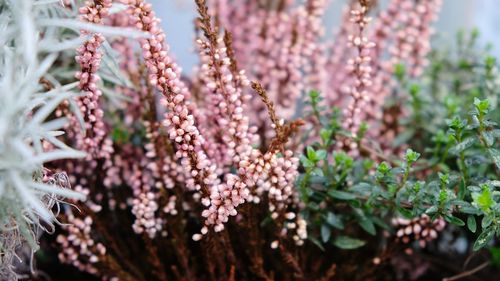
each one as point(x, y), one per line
point(78, 248)
point(313, 51)
point(338, 53)
point(224, 96)
point(280, 47)
point(409, 46)
point(164, 74)
point(94, 141)
point(360, 69)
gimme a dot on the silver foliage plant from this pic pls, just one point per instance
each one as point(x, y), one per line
point(34, 34)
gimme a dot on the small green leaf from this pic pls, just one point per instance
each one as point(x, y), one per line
point(482, 105)
point(306, 162)
point(432, 210)
point(486, 221)
point(454, 220)
point(489, 62)
point(313, 94)
point(484, 199)
point(348, 243)
point(334, 221)
point(321, 154)
point(368, 226)
point(399, 71)
point(470, 210)
point(444, 179)
point(484, 238)
point(318, 172)
point(471, 224)
point(383, 169)
point(408, 214)
point(316, 242)
point(325, 135)
point(326, 232)
point(414, 89)
point(462, 146)
point(457, 123)
point(342, 195)
point(311, 154)
point(411, 156)
point(495, 155)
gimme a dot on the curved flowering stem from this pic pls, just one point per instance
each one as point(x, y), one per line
point(164, 74)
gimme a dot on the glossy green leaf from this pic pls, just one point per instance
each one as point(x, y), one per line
point(342, 195)
point(348, 243)
point(326, 233)
point(484, 238)
point(471, 224)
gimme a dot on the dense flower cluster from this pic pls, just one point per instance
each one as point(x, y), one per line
point(361, 70)
point(421, 230)
point(164, 74)
point(93, 140)
point(181, 156)
point(78, 248)
point(225, 102)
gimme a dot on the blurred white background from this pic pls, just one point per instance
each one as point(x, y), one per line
point(178, 15)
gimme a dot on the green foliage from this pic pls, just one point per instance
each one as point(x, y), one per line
point(451, 133)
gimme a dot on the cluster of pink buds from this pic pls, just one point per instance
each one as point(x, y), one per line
point(144, 208)
point(382, 81)
point(170, 208)
point(427, 11)
point(77, 247)
point(295, 225)
point(270, 44)
point(310, 26)
point(164, 170)
point(422, 229)
point(223, 201)
point(360, 68)
point(225, 103)
point(279, 186)
point(339, 51)
point(413, 39)
point(279, 183)
point(89, 57)
point(164, 74)
point(158, 170)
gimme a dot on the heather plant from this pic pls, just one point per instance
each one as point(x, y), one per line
point(289, 154)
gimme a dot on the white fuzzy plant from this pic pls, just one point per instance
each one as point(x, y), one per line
point(34, 34)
